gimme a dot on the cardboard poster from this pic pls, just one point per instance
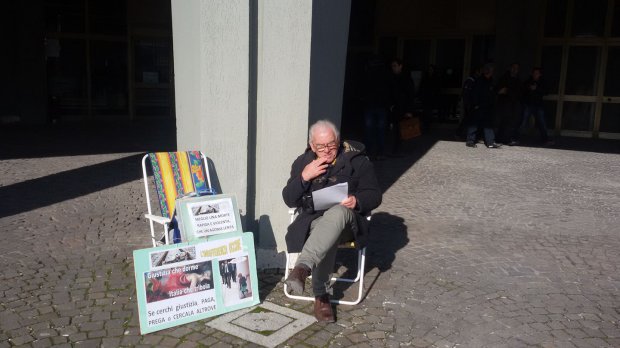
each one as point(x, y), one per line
point(181, 283)
point(205, 216)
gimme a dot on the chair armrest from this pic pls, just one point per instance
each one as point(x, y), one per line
point(159, 219)
point(292, 215)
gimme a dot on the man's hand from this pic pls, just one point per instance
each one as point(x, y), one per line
point(314, 169)
point(349, 202)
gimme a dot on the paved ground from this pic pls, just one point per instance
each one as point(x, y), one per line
point(516, 247)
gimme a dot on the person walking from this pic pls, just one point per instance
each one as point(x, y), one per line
point(483, 98)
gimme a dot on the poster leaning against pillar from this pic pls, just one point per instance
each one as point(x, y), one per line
point(181, 283)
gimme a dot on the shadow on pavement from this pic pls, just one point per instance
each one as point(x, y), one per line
point(36, 193)
point(86, 139)
point(576, 144)
point(388, 234)
point(18, 142)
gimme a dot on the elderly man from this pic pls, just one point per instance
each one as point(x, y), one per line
point(317, 233)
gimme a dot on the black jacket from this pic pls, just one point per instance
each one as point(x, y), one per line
point(352, 166)
point(468, 93)
point(534, 96)
point(513, 87)
point(483, 98)
point(401, 95)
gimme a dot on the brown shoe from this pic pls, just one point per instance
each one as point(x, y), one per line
point(296, 281)
point(323, 309)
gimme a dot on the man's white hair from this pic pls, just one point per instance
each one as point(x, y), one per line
point(322, 124)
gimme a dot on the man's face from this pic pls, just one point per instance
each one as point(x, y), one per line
point(514, 70)
point(536, 75)
point(488, 73)
point(324, 144)
point(397, 68)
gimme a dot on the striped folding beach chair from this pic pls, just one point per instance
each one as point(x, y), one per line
point(175, 174)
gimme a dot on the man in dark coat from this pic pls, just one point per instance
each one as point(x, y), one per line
point(509, 93)
point(533, 105)
point(317, 233)
point(401, 100)
point(483, 99)
point(375, 102)
point(468, 102)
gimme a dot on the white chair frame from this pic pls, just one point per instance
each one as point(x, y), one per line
point(291, 258)
point(164, 221)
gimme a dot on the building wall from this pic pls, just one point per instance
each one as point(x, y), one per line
point(411, 18)
point(518, 33)
point(328, 59)
point(283, 80)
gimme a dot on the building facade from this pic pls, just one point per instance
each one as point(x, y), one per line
point(242, 80)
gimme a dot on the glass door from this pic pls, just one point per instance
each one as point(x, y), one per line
point(152, 77)
point(580, 58)
point(609, 126)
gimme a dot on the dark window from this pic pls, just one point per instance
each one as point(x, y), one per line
point(615, 25)
point(552, 64)
point(416, 54)
point(450, 55)
point(387, 47)
point(610, 118)
point(152, 77)
point(152, 61)
point(589, 18)
point(578, 116)
point(550, 107)
point(66, 78)
point(64, 16)
point(362, 23)
point(612, 83)
point(109, 77)
point(108, 16)
point(582, 70)
point(482, 51)
point(555, 18)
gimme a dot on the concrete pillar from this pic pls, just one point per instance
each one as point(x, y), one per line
point(247, 77)
point(210, 40)
point(283, 80)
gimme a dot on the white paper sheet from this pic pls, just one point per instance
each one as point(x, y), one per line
point(330, 196)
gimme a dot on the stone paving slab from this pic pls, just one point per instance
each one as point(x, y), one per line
point(266, 324)
point(516, 247)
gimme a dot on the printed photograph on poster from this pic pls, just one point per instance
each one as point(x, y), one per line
point(212, 217)
point(173, 282)
point(169, 257)
point(205, 209)
point(236, 280)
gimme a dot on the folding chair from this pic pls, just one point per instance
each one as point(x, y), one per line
point(175, 174)
point(291, 258)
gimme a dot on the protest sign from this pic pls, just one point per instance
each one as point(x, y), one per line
point(205, 216)
point(181, 283)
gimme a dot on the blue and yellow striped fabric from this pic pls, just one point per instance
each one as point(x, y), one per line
point(176, 174)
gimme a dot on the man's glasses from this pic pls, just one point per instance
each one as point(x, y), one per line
point(324, 147)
